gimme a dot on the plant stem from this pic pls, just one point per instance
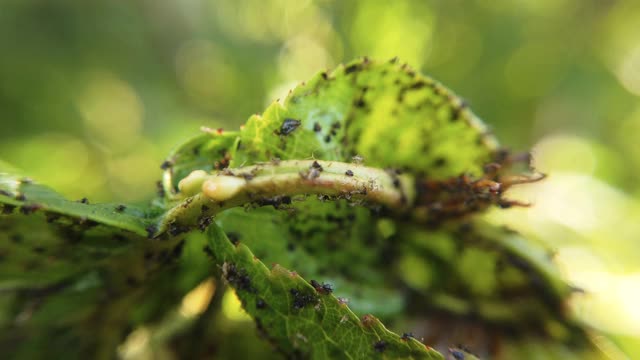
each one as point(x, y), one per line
point(276, 183)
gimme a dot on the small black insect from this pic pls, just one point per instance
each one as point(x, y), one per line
point(300, 299)
point(260, 304)
point(160, 189)
point(84, 200)
point(176, 229)
point(120, 208)
point(151, 230)
point(322, 288)
point(288, 126)
point(7, 209)
point(237, 277)
point(30, 208)
point(167, 164)
point(39, 249)
point(204, 222)
point(439, 162)
point(349, 173)
point(317, 127)
point(316, 165)
point(458, 355)
point(407, 336)
point(380, 346)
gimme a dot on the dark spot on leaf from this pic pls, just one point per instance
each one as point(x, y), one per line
point(17, 238)
point(39, 249)
point(439, 162)
point(132, 282)
point(177, 250)
point(207, 250)
point(120, 208)
point(291, 246)
point(84, 200)
point(234, 238)
point(317, 127)
point(260, 304)
point(327, 139)
point(380, 346)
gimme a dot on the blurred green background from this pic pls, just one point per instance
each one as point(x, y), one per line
point(93, 94)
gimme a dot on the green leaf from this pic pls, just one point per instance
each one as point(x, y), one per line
point(301, 320)
point(29, 197)
point(342, 249)
point(382, 111)
point(61, 282)
point(486, 276)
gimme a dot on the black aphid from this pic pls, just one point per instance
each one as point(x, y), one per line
point(407, 336)
point(120, 208)
point(317, 127)
point(380, 346)
point(30, 208)
point(301, 299)
point(151, 230)
point(322, 288)
point(84, 200)
point(458, 355)
point(236, 277)
point(204, 222)
point(8, 209)
point(260, 304)
point(349, 173)
point(167, 164)
point(316, 165)
point(288, 126)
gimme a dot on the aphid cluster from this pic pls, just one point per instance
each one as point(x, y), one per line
point(237, 277)
point(302, 298)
